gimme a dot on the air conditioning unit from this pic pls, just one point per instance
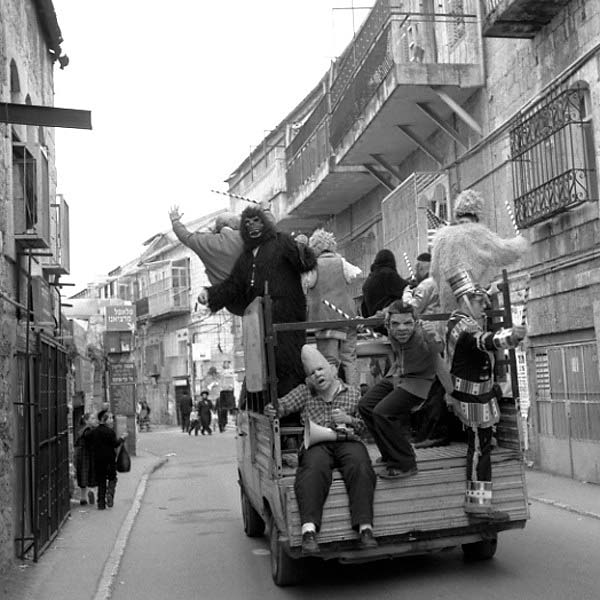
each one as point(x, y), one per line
point(60, 261)
point(31, 195)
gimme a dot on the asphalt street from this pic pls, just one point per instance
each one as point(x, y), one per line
point(188, 543)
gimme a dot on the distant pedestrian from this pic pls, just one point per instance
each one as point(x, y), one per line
point(104, 442)
point(222, 409)
point(185, 408)
point(83, 458)
point(144, 416)
point(194, 422)
point(205, 407)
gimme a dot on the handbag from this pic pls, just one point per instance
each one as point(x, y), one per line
point(123, 459)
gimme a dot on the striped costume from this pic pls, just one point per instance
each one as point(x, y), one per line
point(470, 351)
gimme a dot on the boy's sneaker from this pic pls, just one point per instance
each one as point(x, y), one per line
point(91, 498)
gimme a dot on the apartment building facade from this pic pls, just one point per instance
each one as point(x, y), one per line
point(178, 348)
point(431, 98)
point(34, 255)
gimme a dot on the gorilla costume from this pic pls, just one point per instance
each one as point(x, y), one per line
point(274, 257)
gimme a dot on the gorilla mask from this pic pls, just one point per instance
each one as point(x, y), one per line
point(255, 227)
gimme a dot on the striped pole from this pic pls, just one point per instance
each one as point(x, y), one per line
point(410, 269)
point(511, 214)
point(525, 300)
point(231, 195)
point(337, 310)
point(345, 315)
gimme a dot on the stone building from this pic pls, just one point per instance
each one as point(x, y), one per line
point(34, 366)
point(431, 98)
point(179, 348)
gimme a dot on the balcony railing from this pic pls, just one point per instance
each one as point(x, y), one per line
point(553, 158)
point(404, 38)
point(310, 157)
point(166, 299)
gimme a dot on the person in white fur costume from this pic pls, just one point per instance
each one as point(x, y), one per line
point(471, 243)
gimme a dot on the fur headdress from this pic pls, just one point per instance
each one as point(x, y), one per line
point(483, 252)
point(468, 203)
point(322, 241)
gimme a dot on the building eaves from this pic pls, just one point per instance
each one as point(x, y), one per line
point(311, 98)
point(49, 25)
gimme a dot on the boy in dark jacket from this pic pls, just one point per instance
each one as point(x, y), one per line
point(103, 443)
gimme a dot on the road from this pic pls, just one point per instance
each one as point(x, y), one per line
point(188, 543)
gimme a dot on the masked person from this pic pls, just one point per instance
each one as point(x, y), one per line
point(469, 350)
point(423, 296)
point(387, 407)
point(331, 281)
point(471, 243)
point(271, 257)
point(326, 401)
point(217, 249)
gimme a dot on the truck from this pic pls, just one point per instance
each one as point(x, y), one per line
point(412, 516)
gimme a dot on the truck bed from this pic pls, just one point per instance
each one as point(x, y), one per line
point(431, 501)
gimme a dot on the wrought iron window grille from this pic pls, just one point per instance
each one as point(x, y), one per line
point(552, 157)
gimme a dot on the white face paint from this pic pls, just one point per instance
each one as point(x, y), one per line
point(322, 377)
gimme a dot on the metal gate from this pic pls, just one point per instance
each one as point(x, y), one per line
point(41, 446)
point(568, 408)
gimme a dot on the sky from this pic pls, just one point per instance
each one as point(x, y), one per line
point(179, 93)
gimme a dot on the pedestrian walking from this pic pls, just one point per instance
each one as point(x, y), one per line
point(103, 443)
point(205, 407)
point(83, 458)
point(194, 422)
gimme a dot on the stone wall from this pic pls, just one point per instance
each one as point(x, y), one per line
point(20, 41)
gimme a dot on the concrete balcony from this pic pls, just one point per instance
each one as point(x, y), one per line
point(518, 18)
point(166, 300)
point(409, 70)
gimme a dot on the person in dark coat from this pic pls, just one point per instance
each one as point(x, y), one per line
point(383, 285)
point(205, 407)
point(84, 464)
point(185, 408)
point(272, 257)
point(104, 442)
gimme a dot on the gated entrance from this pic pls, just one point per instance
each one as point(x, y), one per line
point(41, 445)
point(568, 409)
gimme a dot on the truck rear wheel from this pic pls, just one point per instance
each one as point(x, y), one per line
point(254, 526)
point(284, 569)
point(482, 550)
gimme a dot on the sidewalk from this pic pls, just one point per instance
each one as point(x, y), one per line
point(87, 552)
point(562, 492)
point(88, 548)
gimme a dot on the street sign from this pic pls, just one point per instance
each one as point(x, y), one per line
point(122, 373)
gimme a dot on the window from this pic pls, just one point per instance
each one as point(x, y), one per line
point(24, 189)
point(553, 158)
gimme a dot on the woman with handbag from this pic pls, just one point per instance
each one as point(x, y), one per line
point(104, 441)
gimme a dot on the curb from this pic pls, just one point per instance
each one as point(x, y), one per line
point(111, 567)
point(567, 507)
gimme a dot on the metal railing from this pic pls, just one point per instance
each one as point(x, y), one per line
point(553, 157)
point(309, 159)
point(403, 37)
